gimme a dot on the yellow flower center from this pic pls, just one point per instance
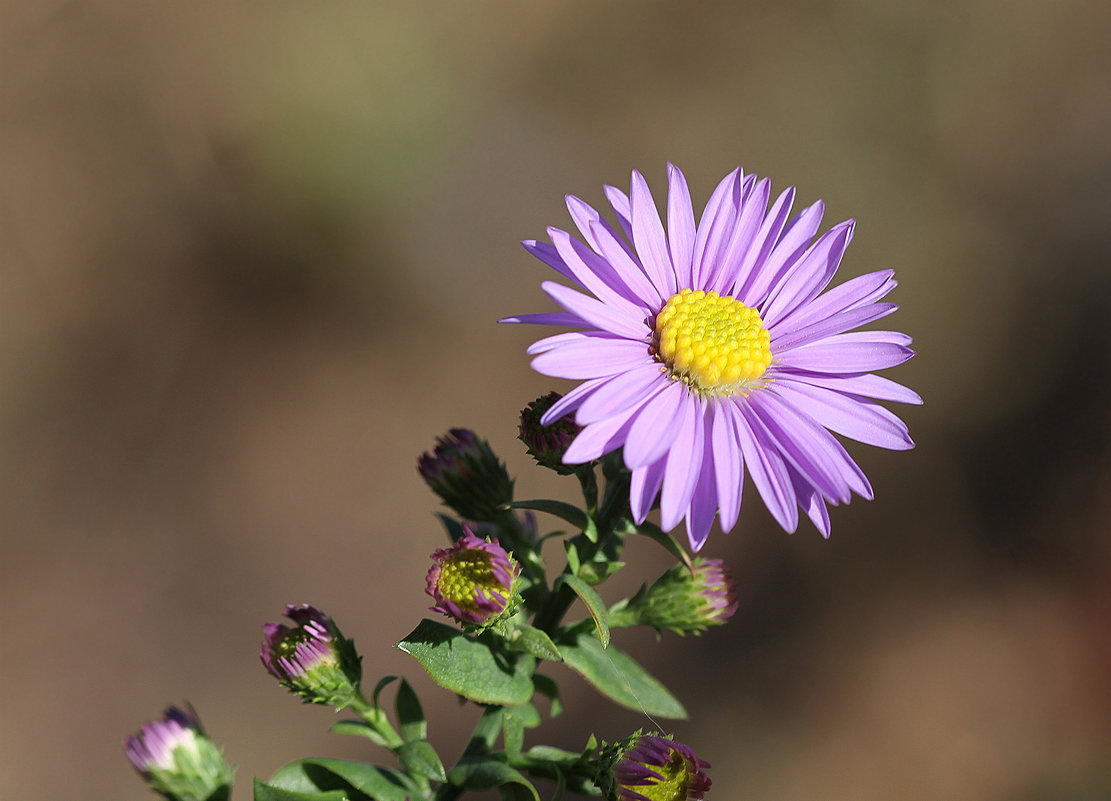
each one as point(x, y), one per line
point(673, 784)
point(463, 573)
point(715, 344)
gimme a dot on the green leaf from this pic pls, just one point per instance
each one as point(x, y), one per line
point(533, 641)
point(469, 667)
point(382, 684)
point(594, 604)
point(617, 675)
point(657, 534)
point(481, 773)
point(513, 733)
point(360, 728)
point(322, 775)
point(420, 759)
point(547, 687)
point(595, 572)
point(268, 792)
point(410, 716)
point(565, 511)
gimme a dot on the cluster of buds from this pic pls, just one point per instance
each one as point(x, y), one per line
point(475, 581)
point(547, 443)
point(649, 767)
point(178, 760)
point(683, 601)
point(313, 659)
point(464, 471)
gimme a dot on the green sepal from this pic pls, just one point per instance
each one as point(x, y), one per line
point(420, 759)
point(532, 640)
point(468, 666)
point(410, 716)
point(268, 792)
point(482, 773)
point(323, 775)
point(546, 686)
point(564, 511)
point(619, 677)
point(593, 601)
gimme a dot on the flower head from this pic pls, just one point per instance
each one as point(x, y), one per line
point(547, 443)
point(313, 658)
point(474, 581)
point(713, 347)
point(687, 602)
point(467, 475)
point(178, 760)
point(659, 769)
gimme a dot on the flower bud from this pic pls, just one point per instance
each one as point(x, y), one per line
point(467, 476)
point(178, 760)
point(685, 604)
point(313, 659)
point(474, 581)
point(547, 444)
point(657, 769)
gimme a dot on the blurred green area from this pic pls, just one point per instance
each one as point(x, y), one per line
point(251, 256)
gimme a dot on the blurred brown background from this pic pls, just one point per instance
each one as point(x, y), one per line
point(251, 256)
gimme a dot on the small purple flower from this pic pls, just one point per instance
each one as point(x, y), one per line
point(660, 769)
point(473, 581)
point(178, 760)
point(467, 475)
point(713, 348)
point(313, 658)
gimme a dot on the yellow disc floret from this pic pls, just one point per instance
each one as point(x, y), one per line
point(716, 344)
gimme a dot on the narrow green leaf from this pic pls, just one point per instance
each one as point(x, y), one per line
point(565, 511)
point(469, 667)
point(547, 687)
point(323, 775)
point(657, 534)
point(410, 716)
point(420, 759)
point(513, 733)
point(618, 676)
point(360, 728)
point(268, 792)
point(533, 641)
point(382, 684)
point(594, 603)
point(482, 773)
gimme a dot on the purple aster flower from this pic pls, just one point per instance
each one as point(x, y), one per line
point(660, 769)
point(473, 581)
point(178, 760)
point(313, 658)
point(713, 347)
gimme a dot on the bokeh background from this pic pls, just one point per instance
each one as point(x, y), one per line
point(251, 256)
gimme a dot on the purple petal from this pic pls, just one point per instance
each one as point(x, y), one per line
point(550, 256)
point(586, 217)
point(627, 268)
point(812, 502)
point(854, 352)
point(571, 401)
point(594, 273)
point(752, 280)
point(648, 237)
point(655, 427)
point(644, 487)
point(729, 468)
point(684, 461)
point(567, 337)
point(717, 223)
point(743, 238)
point(619, 392)
point(868, 385)
point(783, 338)
point(622, 208)
point(810, 275)
point(854, 418)
point(592, 359)
point(680, 225)
point(704, 500)
point(547, 318)
point(767, 469)
point(793, 242)
point(607, 317)
point(854, 293)
point(599, 438)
